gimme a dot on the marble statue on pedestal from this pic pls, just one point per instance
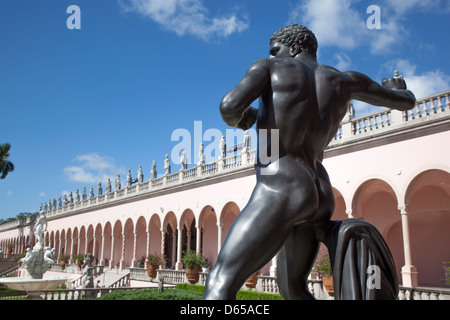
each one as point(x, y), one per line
point(201, 155)
point(38, 260)
point(129, 180)
point(140, 177)
point(118, 186)
point(183, 160)
point(153, 171)
point(99, 189)
point(167, 165)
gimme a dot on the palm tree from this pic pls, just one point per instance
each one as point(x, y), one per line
point(5, 165)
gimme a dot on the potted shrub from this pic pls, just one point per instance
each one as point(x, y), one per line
point(19, 258)
point(323, 266)
point(193, 263)
point(63, 260)
point(10, 248)
point(153, 263)
point(78, 258)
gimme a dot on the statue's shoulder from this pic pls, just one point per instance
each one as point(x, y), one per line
point(263, 63)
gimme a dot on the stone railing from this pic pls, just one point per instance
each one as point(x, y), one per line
point(421, 293)
point(227, 165)
point(426, 110)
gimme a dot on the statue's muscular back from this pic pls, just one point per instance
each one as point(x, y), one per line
point(305, 102)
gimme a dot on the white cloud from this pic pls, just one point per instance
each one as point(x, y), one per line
point(343, 23)
point(424, 84)
point(42, 194)
point(186, 17)
point(343, 61)
point(92, 168)
point(9, 193)
point(421, 84)
point(334, 22)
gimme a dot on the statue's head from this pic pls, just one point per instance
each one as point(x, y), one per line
point(297, 38)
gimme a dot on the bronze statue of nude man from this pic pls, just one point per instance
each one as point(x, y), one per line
point(291, 205)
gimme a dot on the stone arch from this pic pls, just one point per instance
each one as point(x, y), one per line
point(82, 240)
point(107, 238)
point(154, 228)
point(98, 240)
point(208, 224)
point(229, 213)
point(170, 239)
point(376, 202)
point(128, 250)
point(69, 247)
point(117, 236)
point(141, 239)
point(90, 240)
point(339, 206)
point(57, 244)
point(188, 230)
point(75, 239)
point(428, 206)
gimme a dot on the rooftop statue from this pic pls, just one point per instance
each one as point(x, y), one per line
point(118, 186)
point(167, 165)
point(140, 177)
point(183, 160)
point(301, 106)
point(153, 170)
point(129, 179)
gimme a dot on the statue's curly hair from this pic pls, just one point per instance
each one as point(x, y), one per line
point(300, 35)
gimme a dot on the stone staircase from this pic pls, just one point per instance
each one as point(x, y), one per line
point(111, 276)
point(7, 262)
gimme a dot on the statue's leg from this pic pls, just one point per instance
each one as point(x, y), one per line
point(254, 238)
point(295, 261)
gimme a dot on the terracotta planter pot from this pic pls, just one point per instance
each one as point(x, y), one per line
point(62, 264)
point(152, 273)
point(252, 281)
point(328, 284)
point(192, 275)
point(78, 263)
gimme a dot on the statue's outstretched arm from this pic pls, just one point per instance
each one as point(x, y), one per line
point(392, 94)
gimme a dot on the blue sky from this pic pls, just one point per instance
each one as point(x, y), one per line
point(81, 105)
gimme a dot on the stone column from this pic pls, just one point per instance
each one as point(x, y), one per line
point(199, 240)
point(273, 267)
point(122, 258)
point(189, 234)
point(219, 235)
point(113, 240)
point(102, 258)
point(409, 272)
point(79, 244)
point(86, 243)
point(163, 245)
point(149, 232)
point(66, 251)
point(350, 213)
point(179, 264)
point(134, 261)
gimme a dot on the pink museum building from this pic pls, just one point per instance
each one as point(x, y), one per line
point(389, 168)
